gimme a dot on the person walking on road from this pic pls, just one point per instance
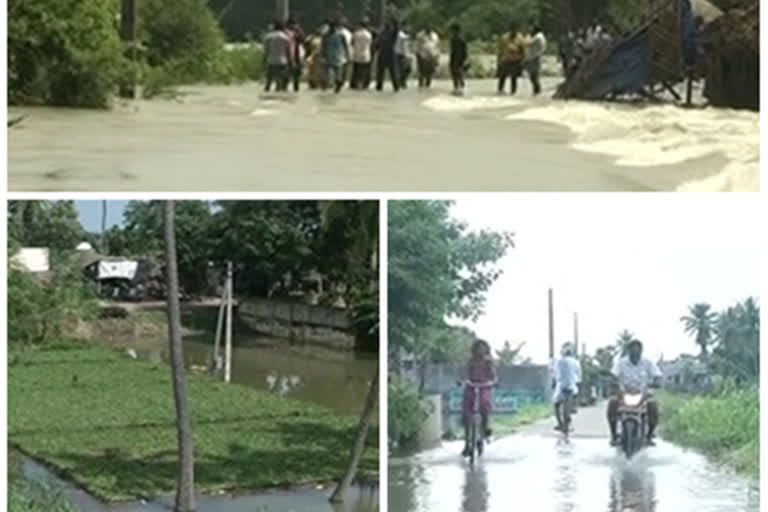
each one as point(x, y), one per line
point(278, 57)
point(458, 62)
point(335, 54)
point(535, 49)
point(403, 56)
point(427, 55)
point(362, 42)
point(511, 53)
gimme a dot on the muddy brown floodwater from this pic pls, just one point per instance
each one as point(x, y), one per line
point(539, 471)
point(235, 139)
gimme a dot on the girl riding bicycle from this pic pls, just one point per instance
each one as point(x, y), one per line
point(480, 371)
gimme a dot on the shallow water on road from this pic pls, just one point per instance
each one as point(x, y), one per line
point(545, 474)
point(236, 139)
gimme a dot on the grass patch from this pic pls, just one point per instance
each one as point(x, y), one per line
point(107, 422)
point(725, 425)
point(503, 424)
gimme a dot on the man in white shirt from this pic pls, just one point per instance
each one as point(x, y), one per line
point(362, 42)
point(535, 48)
point(402, 55)
point(347, 34)
point(634, 374)
point(566, 377)
point(427, 55)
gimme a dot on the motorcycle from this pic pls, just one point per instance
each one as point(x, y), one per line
point(633, 421)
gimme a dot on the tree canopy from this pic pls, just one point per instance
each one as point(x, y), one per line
point(438, 269)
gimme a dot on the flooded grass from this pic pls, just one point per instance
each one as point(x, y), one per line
point(106, 422)
point(30, 496)
point(725, 425)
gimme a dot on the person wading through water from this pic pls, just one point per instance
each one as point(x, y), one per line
point(385, 59)
point(459, 59)
point(511, 53)
point(427, 55)
point(362, 43)
point(335, 56)
point(298, 40)
point(278, 57)
point(537, 45)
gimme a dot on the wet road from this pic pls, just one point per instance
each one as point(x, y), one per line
point(232, 138)
point(536, 470)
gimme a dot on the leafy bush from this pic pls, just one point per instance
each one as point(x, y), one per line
point(407, 411)
point(63, 52)
point(725, 424)
point(45, 310)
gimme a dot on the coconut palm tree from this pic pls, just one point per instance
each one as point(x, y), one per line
point(185, 487)
point(700, 323)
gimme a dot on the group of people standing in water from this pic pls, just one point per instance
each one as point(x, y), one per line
point(360, 55)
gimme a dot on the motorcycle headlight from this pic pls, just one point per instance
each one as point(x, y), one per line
point(633, 400)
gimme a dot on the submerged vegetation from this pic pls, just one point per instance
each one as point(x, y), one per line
point(61, 410)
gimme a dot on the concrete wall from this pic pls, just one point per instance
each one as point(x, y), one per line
point(442, 378)
point(298, 321)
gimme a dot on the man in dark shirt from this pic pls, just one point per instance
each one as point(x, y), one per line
point(458, 61)
point(298, 38)
point(386, 59)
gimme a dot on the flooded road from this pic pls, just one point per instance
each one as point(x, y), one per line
point(538, 471)
point(235, 139)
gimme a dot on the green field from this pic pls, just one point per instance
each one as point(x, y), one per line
point(724, 425)
point(503, 424)
point(107, 422)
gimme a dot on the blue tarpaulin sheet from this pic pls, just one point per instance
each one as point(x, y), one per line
point(627, 69)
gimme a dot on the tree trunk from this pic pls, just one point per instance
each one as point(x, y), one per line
point(185, 488)
point(362, 434)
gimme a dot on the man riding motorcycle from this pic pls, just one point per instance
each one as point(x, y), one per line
point(636, 374)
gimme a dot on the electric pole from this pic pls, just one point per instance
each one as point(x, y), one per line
point(551, 327)
point(282, 10)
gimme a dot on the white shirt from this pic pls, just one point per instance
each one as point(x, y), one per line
point(428, 45)
point(347, 35)
point(635, 377)
point(361, 46)
point(536, 46)
point(401, 43)
point(567, 373)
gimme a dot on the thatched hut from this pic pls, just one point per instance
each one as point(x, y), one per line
point(732, 53)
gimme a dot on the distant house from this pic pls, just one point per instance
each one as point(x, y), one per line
point(686, 373)
point(36, 260)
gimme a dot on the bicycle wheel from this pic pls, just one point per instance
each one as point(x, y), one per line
point(473, 442)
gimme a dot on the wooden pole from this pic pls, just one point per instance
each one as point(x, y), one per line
point(216, 366)
point(103, 244)
point(382, 12)
point(228, 349)
point(551, 327)
point(576, 334)
point(128, 22)
point(282, 10)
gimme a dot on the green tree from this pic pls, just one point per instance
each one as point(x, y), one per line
point(437, 269)
point(700, 323)
point(51, 224)
point(63, 52)
point(508, 355)
point(736, 351)
point(604, 357)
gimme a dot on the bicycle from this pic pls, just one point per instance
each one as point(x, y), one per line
point(476, 443)
point(566, 410)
